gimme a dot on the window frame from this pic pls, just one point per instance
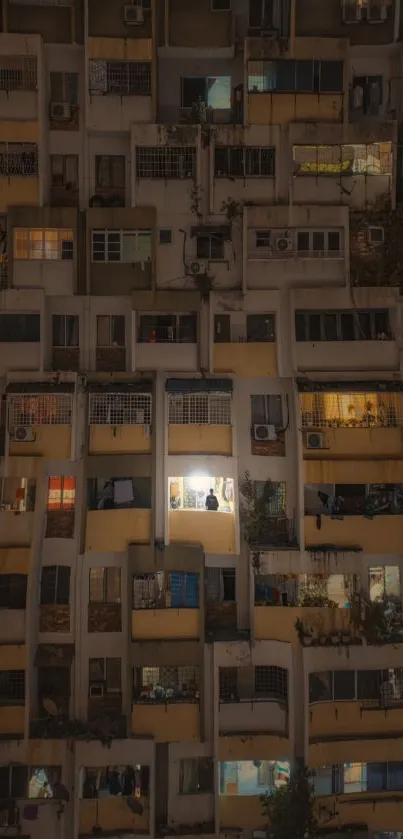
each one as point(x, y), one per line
point(111, 320)
point(12, 157)
point(269, 69)
point(106, 233)
point(57, 599)
point(165, 163)
point(102, 82)
point(63, 505)
point(64, 324)
point(14, 336)
point(198, 788)
point(278, 408)
point(302, 324)
point(104, 661)
point(29, 243)
point(105, 599)
point(176, 326)
point(381, 675)
point(245, 153)
point(213, 240)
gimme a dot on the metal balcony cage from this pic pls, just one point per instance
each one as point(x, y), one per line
point(200, 409)
point(40, 409)
point(351, 410)
point(120, 409)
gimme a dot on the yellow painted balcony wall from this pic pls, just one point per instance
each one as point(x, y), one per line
point(12, 719)
point(14, 560)
point(241, 811)
point(277, 623)
point(382, 535)
point(52, 442)
point(253, 747)
point(46, 752)
point(215, 531)
point(112, 814)
point(246, 360)
point(119, 439)
point(355, 443)
point(120, 49)
point(13, 657)
point(113, 530)
point(167, 723)
point(200, 439)
point(376, 810)
point(380, 471)
point(16, 528)
point(165, 623)
point(279, 108)
point(336, 719)
point(373, 750)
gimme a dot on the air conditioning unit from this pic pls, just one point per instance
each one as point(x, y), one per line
point(283, 244)
point(264, 433)
point(315, 440)
point(376, 235)
point(96, 690)
point(133, 15)
point(23, 434)
point(60, 110)
point(198, 268)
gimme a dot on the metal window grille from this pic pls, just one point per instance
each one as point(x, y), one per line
point(271, 683)
point(148, 591)
point(166, 162)
point(120, 409)
point(18, 72)
point(351, 410)
point(200, 409)
point(40, 409)
point(244, 162)
point(12, 687)
point(273, 494)
point(43, 244)
point(166, 683)
point(18, 159)
point(120, 77)
point(228, 684)
point(165, 590)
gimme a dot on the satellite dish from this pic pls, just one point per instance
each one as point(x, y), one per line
point(50, 707)
point(30, 812)
point(135, 805)
point(61, 792)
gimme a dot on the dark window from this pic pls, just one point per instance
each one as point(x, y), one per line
point(301, 76)
point(320, 687)
point(331, 76)
point(20, 329)
point(330, 327)
point(221, 5)
point(260, 13)
point(105, 585)
point(318, 240)
point(12, 687)
point(381, 324)
point(196, 774)
point(110, 331)
point(222, 329)
point(244, 162)
point(369, 684)
point(347, 326)
point(165, 236)
point(108, 671)
point(364, 326)
point(53, 682)
point(13, 591)
point(55, 585)
point(333, 241)
point(303, 242)
point(271, 682)
point(228, 585)
point(13, 782)
point(343, 684)
point(267, 409)
point(65, 330)
point(300, 327)
point(367, 94)
point(110, 171)
point(210, 246)
point(260, 328)
point(314, 327)
point(165, 329)
point(193, 90)
point(165, 162)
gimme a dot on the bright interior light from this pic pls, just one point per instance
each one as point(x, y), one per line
point(198, 482)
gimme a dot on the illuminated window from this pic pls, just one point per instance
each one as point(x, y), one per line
point(343, 160)
point(43, 244)
point(361, 410)
point(61, 493)
point(121, 246)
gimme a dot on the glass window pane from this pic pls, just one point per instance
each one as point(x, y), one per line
point(343, 684)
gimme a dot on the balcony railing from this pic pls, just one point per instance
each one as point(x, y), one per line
point(271, 253)
point(276, 532)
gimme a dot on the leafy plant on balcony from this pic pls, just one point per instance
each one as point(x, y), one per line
point(375, 621)
point(253, 507)
point(290, 808)
point(314, 594)
point(380, 264)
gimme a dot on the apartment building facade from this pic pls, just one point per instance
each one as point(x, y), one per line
point(199, 288)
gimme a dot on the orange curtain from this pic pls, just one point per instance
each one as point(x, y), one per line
point(61, 493)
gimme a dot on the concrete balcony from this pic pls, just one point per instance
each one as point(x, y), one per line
point(380, 535)
point(347, 355)
point(12, 721)
point(154, 624)
point(113, 530)
point(175, 356)
point(16, 529)
point(331, 721)
point(200, 439)
point(167, 723)
point(246, 360)
point(242, 812)
point(253, 715)
point(215, 531)
point(55, 276)
point(256, 746)
point(284, 108)
point(119, 439)
point(117, 111)
point(367, 808)
point(52, 442)
point(112, 814)
point(277, 623)
point(12, 626)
